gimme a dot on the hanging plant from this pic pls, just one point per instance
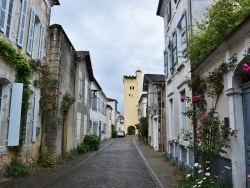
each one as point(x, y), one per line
point(68, 100)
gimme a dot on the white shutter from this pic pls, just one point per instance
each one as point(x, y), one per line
point(22, 22)
point(3, 14)
point(36, 112)
point(40, 50)
point(31, 32)
point(15, 114)
point(85, 125)
point(78, 128)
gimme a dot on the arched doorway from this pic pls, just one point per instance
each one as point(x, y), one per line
point(131, 130)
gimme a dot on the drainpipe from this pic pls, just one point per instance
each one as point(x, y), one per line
point(194, 106)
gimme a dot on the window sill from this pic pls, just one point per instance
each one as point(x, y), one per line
point(184, 143)
point(179, 68)
point(169, 80)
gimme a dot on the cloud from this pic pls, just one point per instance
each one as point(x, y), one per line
point(122, 37)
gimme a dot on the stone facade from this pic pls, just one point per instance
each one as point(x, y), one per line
point(25, 32)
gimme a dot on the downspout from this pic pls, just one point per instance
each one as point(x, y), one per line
point(194, 106)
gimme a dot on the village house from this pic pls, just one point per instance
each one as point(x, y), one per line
point(24, 26)
point(98, 110)
point(179, 17)
point(233, 105)
point(154, 85)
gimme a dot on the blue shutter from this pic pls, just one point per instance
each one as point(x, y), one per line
point(36, 112)
point(31, 32)
point(15, 114)
point(3, 14)
point(22, 23)
point(40, 50)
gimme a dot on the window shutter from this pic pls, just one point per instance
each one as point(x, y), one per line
point(31, 32)
point(85, 125)
point(22, 23)
point(36, 112)
point(78, 128)
point(40, 50)
point(8, 25)
point(3, 15)
point(15, 114)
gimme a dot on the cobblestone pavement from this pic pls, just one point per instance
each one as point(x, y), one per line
point(144, 167)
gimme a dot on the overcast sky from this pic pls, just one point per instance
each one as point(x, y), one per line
point(122, 36)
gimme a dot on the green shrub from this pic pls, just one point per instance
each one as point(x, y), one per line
point(114, 134)
point(72, 154)
point(83, 148)
point(17, 169)
point(47, 160)
point(93, 141)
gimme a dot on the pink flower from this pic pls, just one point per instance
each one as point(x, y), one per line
point(171, 143)
point(220, 73)
point(199, 126)
point(232, 132)
point(172, 171)
point(204, 116)
point(198, 136)
point(246, 68)
point(196, 98)
point(182, 98)
point(59, 92)
point(248, 177)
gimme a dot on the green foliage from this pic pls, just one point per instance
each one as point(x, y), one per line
point(83, 148)
point(93, 141)
point(47, 160)
point(68, 100)
point(114, 133)
point(220, 20)
point(203, 178)
point(17, 169)
point(142, 128)
point(72, 154)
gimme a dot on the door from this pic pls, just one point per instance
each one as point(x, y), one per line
point(246, 112)
point(156, 130)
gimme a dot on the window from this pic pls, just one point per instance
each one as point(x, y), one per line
point(182, 28)
point(171, 118)
point(183, 105)
point(4, 6)
point(22, 23)
point(168, 12)
point(166, 63)
point(31, 32)
point(41, 40)
point(8, 26)
point(174, 50)
point(80, 87)
point(86, 92)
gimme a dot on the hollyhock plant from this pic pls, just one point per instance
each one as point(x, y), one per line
point(246, 68)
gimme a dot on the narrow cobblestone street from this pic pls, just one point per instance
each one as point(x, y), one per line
point(120, 162)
